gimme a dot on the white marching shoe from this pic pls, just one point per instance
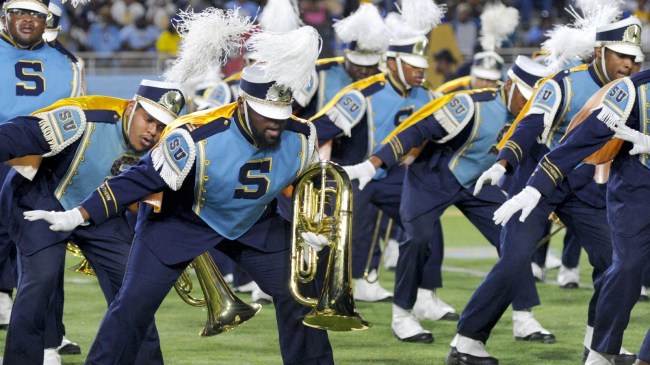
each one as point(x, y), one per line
point(258, 296)
point(429, 306)
point(465, 350)
point(248, 287)
point(370, 292)
point(643, 297)
point(552, 262)
point(624, 356)
point(538, 272)
point(5, 310)
point(568, 278)
point(68, 347)
point(597, 358)
point(391, 254)
point(407, 328)
point(526, 328)
point(51, 357)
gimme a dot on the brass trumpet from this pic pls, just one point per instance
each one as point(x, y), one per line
point(225, 310)
point(325, 188)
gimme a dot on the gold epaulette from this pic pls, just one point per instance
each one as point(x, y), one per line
point(324, 61)
point(202, 117)
point(233, 77)
point(454, 85)
point(90, 102)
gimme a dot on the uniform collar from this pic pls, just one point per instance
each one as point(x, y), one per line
point(5, 37)
point(596, 75)
point(397, 86)
point(243, 128)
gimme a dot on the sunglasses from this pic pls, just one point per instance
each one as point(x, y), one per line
point(22, 13)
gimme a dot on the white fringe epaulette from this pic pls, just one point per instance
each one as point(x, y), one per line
point(207, 38)
point(449, 123)
point(312, 144)
point(549, 111)
point(167, 165)
point(49, 125)
point(343, 119)
point(304, 96)
point(611, 114)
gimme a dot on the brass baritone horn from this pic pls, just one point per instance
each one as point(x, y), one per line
point(225, 310)
point(82, 267)
point(322, 204)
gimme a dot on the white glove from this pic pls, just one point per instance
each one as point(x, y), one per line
point(525, 201)
point(61, 221)
point(493, 175)
point(641, 141)
point(315, 241)
point(362, 171)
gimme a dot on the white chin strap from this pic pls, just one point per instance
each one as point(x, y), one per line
point(248, 124)
point(603, 64)
point(128, 122)
point(511, 93)
point(400, 72)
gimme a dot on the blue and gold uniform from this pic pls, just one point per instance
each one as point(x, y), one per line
point(81, 142)
point(580, 203)
point(463, 130)
point(357, 120)
point(41, 75)
point(625, 102)
point(329, 78)
point(212, 198)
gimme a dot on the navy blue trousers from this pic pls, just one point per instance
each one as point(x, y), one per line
point(620, 290)
point(32, 327)
point(419, 264)
point(148, 281)
point(518, 242)
point(384, 194)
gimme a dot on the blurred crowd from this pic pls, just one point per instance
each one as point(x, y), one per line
point(148, 25)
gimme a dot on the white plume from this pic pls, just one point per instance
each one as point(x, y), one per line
point(578, 39)
point(497, 22)
point(206, 40)
point(422, 15)
point(287, 58)
point(76, 3)
point(589, 6)
point(280, 16)
point(366, 27)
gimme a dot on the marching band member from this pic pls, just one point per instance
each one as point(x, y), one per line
point(462, 129)
point(38, 64)
point(82, 141)
point(367, 36)
point(363, 114)
point(214, 198)
point(579, 203)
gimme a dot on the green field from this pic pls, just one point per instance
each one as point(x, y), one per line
point(563, 312)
